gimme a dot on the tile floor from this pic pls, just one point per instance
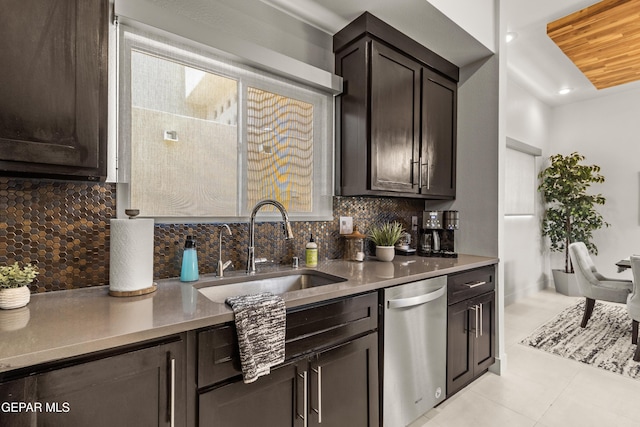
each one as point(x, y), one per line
point(539, 389)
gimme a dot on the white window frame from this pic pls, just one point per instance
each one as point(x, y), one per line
point(520, 178)
point(323, 164)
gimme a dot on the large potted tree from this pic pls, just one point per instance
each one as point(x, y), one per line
point(570, 213)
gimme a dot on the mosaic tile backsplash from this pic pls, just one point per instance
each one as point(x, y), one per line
point(63, 227)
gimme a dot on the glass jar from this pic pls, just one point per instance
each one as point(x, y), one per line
point(354, 245)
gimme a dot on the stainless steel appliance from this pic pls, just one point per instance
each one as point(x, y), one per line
point(437, 234)
point(415, 349)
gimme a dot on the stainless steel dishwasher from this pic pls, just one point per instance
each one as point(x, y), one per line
point(415, 349)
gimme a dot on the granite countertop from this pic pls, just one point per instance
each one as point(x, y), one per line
point(63, 324)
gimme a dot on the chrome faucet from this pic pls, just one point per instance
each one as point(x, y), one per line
point(221, 266)
point(288, 234)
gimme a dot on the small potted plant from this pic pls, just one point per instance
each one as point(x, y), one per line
point(570, 212)
point(385, 237)
point(14, 285)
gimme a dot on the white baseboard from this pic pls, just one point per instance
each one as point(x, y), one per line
point(523, 293)
point(500, 365)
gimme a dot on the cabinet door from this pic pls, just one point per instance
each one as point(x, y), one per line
point(53, 96)
point(460, 336)
point(344, 385)
point(438, 150)
point(484, 344)
point(142, 388)
point(470, 340)
point(274, 400)
point(395, 118)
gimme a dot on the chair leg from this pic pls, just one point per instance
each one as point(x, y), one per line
point(588, 309)
point(634, 332)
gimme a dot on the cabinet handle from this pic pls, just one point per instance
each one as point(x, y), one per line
point(475, 284)
point(305, 409)
point(420, 166)
point(318, 411)
point(428, 165)
point(475, 313)
point(480, 319)
point(413, 172)
point(171, 407)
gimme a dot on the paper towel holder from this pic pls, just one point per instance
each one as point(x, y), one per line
point(132, 213)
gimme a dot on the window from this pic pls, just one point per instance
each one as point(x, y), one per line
point(204, 139)
point(520, 178)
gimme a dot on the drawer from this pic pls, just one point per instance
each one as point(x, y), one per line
point(468, 284)
point(309, 328)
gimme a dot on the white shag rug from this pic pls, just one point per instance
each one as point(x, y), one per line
point(605, 342)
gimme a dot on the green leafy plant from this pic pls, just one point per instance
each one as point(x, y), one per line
point(14, 276)
point(386, 234)
point(570, 213)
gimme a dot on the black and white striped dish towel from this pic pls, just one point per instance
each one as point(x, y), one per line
point(261, 326)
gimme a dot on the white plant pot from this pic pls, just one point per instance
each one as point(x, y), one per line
point(385, 253)
point(566, 283)
point(14, 297)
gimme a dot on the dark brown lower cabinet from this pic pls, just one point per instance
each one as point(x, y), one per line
point(470, 340)
point(143, 387)
point(335, 387)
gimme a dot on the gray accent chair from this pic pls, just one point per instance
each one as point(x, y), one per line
point(593, 285)
point(633, 304)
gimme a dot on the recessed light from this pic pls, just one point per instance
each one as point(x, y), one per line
point(565, 90)
point(511, 36)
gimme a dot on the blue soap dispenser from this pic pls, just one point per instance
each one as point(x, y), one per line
point(189, 272)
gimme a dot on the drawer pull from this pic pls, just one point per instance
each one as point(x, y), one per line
point(475, 284)
point(305, 398)
point(318, 411)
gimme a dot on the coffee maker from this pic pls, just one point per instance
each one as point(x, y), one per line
point(437, 234)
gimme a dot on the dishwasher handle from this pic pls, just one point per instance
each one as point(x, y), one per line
point(417, 300)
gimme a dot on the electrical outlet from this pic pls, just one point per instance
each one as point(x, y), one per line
point(346, 225)
point(414, 223)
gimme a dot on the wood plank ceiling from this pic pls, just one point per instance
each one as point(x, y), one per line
point(603, 40)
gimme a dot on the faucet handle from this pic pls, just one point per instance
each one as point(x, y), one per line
point(288, 233)
point(295, 263)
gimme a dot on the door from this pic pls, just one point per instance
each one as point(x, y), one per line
point(460, 340)
point(470, 340)
point(142, 388)
point(438, 148)
point(343, 386)
point(274, 400)
point(53, 99)
point(484, 343)
point(395, 118)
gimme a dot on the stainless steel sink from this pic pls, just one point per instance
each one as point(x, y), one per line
point(277, 283)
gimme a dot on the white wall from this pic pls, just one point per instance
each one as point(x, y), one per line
point(477, 17)
point(606, 131)
point(477, 160)
point(526, 267)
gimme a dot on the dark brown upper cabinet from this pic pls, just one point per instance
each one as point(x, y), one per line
point(396, 115)
point(53, 89)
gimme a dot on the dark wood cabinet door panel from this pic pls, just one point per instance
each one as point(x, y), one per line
point(460, 362)
point(53, 91)
point(143, 388)
point(344, 385)
point(395, 107)
point(273, 400)
point(439, 121)
point(484, 344)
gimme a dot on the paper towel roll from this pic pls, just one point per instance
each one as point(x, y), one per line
point(131, 265)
